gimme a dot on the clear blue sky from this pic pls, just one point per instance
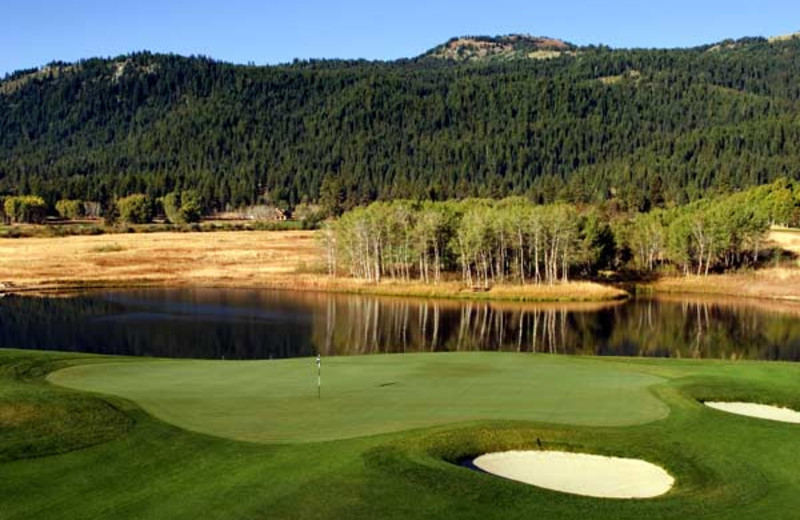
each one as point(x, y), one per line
point(34, 32)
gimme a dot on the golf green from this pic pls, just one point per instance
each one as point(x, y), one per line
point(277, 401)
point(131, 438)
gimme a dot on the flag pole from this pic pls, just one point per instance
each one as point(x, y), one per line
point(319, 377)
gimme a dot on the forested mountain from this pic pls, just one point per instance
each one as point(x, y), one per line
point(547, 119)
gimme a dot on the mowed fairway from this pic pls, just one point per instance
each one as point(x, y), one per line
point(394, 429)
point(276, 401)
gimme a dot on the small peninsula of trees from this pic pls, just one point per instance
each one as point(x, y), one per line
point(485, 242)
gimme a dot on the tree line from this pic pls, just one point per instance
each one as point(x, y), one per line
point(176, 207)
point(483, 242)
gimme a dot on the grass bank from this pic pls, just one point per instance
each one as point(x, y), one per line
point(562, 292)
point(393, 424)
point(771, 284)
point(250, 259)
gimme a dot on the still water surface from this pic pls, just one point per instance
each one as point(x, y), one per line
point(243, 324)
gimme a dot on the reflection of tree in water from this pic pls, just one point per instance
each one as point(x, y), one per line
point(229, 324)
point(366, 325)
point(705, 329)
point(685, 329)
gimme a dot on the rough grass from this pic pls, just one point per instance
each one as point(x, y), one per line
point(775, 284)
point(221, 258)
point(37, 419)
point(787, 239)
point(107, 248)
point(561, 292)
point(726, 466)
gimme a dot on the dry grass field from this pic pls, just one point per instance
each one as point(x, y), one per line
point(778, 283)
point(772, 283)
point(243, 258)
point(282, 259)
point(787, 239)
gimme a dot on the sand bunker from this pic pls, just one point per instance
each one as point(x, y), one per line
point(761, 411)
point(580, 474)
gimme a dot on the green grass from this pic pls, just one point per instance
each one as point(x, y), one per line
point(104, 456)
point(270, 401)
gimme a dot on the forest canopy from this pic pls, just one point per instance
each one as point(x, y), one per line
point(647, 129)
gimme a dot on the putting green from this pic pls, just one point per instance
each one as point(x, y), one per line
point(67, 454)
point(276, 401)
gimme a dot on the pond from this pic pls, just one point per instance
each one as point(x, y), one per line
point(258, 324)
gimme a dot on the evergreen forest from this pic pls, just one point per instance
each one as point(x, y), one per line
point(642, 129)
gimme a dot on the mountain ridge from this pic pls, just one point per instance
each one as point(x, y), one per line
point(498, 45)
point(599, 124)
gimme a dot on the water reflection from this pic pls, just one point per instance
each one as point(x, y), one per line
point(235, 324)
point(362, 326)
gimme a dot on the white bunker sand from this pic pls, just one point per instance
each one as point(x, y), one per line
point(761, 411)
point(579, 474)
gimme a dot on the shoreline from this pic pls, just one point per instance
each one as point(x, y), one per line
point(573, 292)
point(772, 284)
point(234, 259)
point(291, 260)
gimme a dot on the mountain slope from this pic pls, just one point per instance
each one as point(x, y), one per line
point(590, 124)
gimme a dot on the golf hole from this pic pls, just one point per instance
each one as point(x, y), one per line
point(760, 411)
point(579, 474)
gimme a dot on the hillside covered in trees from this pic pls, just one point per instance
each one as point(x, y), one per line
point(542, 118)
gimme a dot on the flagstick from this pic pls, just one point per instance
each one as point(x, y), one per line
point(319, 377)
